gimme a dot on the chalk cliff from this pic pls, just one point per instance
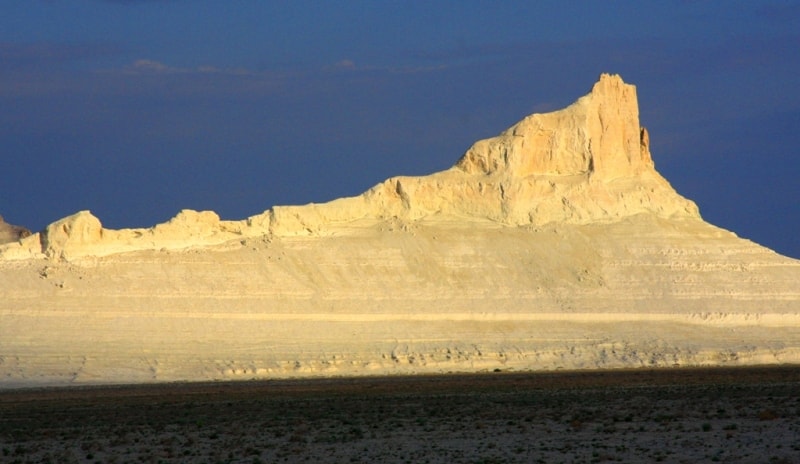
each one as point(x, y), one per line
point(554, 245)
point(587, 163)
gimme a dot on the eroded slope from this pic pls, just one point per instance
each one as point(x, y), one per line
point(554, 245)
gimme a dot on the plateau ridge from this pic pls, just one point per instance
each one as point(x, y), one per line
point(554, 245)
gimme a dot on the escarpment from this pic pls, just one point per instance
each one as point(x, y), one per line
point(554, 245)
point(589, 162)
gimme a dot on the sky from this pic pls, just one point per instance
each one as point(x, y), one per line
point(136, 109)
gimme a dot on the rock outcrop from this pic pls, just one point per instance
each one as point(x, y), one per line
point(587, 163)
point(11, 233)
point(597, 136)
point(555, 245)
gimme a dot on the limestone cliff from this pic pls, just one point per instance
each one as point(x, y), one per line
point(587, 163)
point(555, 245)
point(597, 136)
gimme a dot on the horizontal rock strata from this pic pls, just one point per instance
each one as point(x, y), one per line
point(555, 245)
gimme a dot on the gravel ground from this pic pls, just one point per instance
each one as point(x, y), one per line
point(672, 415)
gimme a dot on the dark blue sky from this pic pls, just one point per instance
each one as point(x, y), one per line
point(135, 109)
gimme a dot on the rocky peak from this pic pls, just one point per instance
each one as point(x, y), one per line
point(598, 135)
point(588, 163)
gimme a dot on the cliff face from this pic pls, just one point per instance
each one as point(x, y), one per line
point(598, 136)
point(555, 245)
point(587, 163)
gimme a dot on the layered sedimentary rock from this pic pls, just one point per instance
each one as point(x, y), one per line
point(553, 245)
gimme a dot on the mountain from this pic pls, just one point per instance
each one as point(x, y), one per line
point(555, 245)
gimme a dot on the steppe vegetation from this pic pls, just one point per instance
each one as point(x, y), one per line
point(679, 415)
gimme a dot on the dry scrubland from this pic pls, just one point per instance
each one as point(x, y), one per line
point(673, 415)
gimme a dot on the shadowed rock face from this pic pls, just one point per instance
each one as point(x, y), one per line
point(11, 233)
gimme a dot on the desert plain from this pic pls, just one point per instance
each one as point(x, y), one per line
point(680, 415)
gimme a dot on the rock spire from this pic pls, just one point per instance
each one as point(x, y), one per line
point(598, 135)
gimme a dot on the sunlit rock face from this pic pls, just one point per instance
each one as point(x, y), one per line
point(555, 245)
point(599, 135)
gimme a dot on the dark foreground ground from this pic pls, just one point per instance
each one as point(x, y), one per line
point(676, 415)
